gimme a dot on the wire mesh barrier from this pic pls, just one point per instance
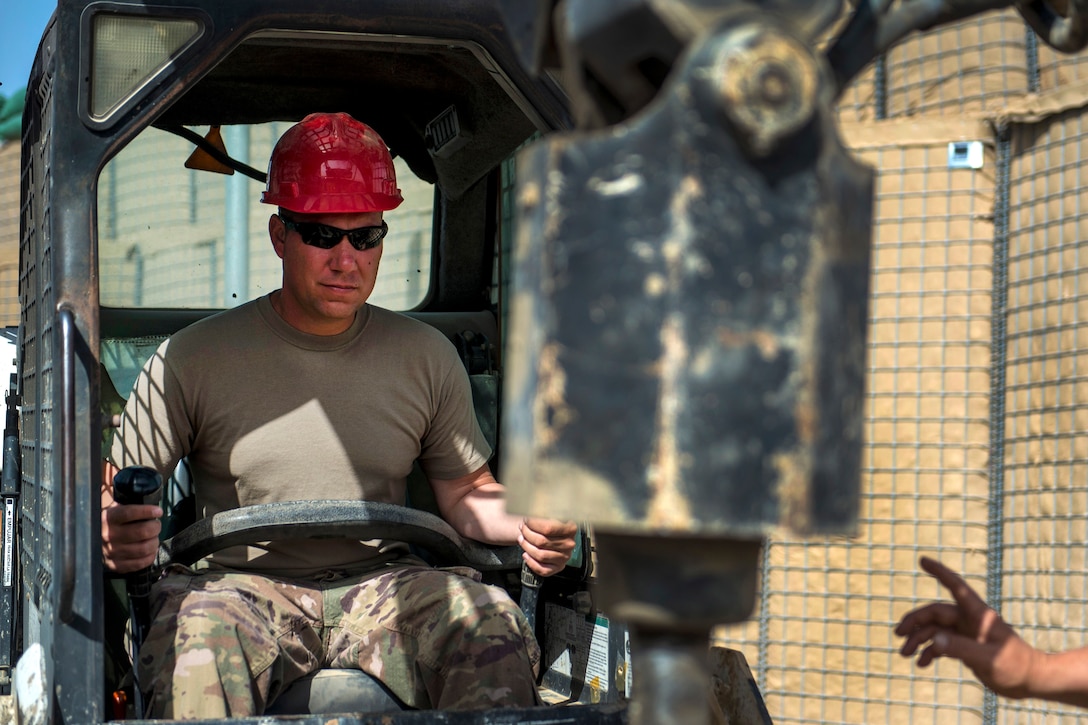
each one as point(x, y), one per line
point(977, 418)
point(1044, 493)
point(970, 66)
point(822, 644)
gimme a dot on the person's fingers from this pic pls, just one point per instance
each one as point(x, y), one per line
point(541, 534)
point(944, 614)
point(917, 638)
point(543, 554)
point(129, 555)
point(129, 558)
point(550, 529)
point(928, 655)
point(130, 536)
point(139, 533)
point(966, 597)
point(976, 656)
point(542, 568)
point(944, 644)
point(118, 514)
point(562, 548)
point(136, 532)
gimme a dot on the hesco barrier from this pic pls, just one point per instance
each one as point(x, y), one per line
point(977, 430)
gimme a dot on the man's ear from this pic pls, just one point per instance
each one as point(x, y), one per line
point(277, 232)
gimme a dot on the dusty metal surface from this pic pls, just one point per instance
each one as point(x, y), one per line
point(613, 55)
point(735, 696)
point(674, 582)
point(687, 334)
point(689, 320)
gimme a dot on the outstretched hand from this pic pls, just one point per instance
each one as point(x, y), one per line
point(968, 630)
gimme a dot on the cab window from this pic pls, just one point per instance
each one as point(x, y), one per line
point(175, 237)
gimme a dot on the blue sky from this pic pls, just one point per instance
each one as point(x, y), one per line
point(21, 26)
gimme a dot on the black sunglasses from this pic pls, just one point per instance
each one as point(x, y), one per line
point(323, 236)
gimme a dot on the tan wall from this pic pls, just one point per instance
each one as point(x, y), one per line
point(9, 233)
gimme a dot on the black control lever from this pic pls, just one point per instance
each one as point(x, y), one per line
point(530, 595)
point(133, 485)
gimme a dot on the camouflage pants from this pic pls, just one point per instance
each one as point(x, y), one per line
point(226, 644)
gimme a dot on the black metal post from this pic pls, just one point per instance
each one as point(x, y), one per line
point(9, 507)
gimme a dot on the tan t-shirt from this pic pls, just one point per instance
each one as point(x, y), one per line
point(267, 413)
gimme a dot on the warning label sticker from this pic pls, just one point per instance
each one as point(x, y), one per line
point(577, 648)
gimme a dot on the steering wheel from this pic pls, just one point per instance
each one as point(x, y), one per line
point(333, 519)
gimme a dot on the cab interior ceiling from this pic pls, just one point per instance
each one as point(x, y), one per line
point(395, 87)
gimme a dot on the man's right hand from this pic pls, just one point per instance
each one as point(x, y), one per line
point(130, 534)
point(968, 630)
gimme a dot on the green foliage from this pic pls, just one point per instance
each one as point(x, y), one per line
point(11, 114)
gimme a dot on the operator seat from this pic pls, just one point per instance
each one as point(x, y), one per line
point(327, 692)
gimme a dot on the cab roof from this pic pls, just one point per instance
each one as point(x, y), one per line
point(397, 66)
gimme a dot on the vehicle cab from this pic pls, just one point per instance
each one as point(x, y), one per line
point(147, 133)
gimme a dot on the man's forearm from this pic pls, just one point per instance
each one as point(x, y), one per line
point(480, 514)
point(1061, 677)
point(475, 506)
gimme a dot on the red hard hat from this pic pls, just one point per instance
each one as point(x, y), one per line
point(329, 163)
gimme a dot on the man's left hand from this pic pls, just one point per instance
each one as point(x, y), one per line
point(547, 544)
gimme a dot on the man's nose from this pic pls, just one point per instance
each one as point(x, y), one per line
point(343, 254)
